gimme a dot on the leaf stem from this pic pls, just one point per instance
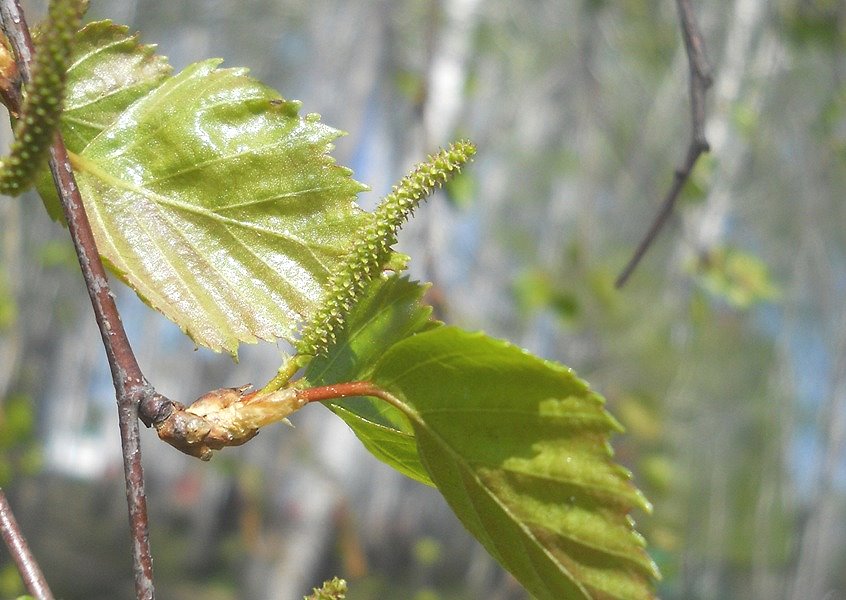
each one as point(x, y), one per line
point(288, 369)
point(348, 389)
point(28, 568)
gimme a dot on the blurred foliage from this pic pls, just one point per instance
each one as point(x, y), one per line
point(817, 22)
point(832, 122)
point(695, 190)
point(11, 585)
point(427, 551)
point(461, 189)
point(8, 305)
point(738, 277)
point(20, 450)
point(535, 291)
point(54, 254)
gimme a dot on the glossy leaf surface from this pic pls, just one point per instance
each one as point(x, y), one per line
point(519, 448)
point(207, 192)
point(110, 69)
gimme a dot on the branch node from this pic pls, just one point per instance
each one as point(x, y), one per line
point(122, 361)
point(224, 417)
point(153, 408)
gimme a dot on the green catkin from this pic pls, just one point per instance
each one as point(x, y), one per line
point(336, 589)
point(42, 107)
point(372, 248)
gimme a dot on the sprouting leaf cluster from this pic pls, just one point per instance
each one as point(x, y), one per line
point(219, 204)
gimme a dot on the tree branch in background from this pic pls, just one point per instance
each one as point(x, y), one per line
point(29, 570)
point(132, 389)
point(700, 81)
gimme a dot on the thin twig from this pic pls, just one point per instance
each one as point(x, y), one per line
point(28, 568)
point(700, 81)
point(132, 389)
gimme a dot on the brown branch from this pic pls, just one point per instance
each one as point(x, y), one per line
point(28, 568)
point(132, 389)
point(221, 418)
point(700, 81)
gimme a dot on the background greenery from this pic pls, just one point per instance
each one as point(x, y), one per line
point(725, 356)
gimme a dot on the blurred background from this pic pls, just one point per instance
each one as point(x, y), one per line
point(724, 356)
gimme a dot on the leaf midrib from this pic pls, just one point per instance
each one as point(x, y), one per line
point(463, 465)
point(401, 402)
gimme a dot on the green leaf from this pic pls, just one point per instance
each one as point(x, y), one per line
point(207, 192)
point(109, 71)
point(519, 448)
point(389, 311)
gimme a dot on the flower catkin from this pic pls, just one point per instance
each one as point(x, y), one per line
point(42, 107)
point(372, 248)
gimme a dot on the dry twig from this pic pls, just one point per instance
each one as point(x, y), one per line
point(28, 568)
point(700, 81)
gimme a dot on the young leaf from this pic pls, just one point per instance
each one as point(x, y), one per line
point(108, 71)
point(519, 448)
point(209, 195)
point(739, 277)
point(388, 311)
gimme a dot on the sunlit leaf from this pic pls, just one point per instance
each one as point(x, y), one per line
point(389, 311)
point(207, 192)
point(519, 448)
point(110, 69)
